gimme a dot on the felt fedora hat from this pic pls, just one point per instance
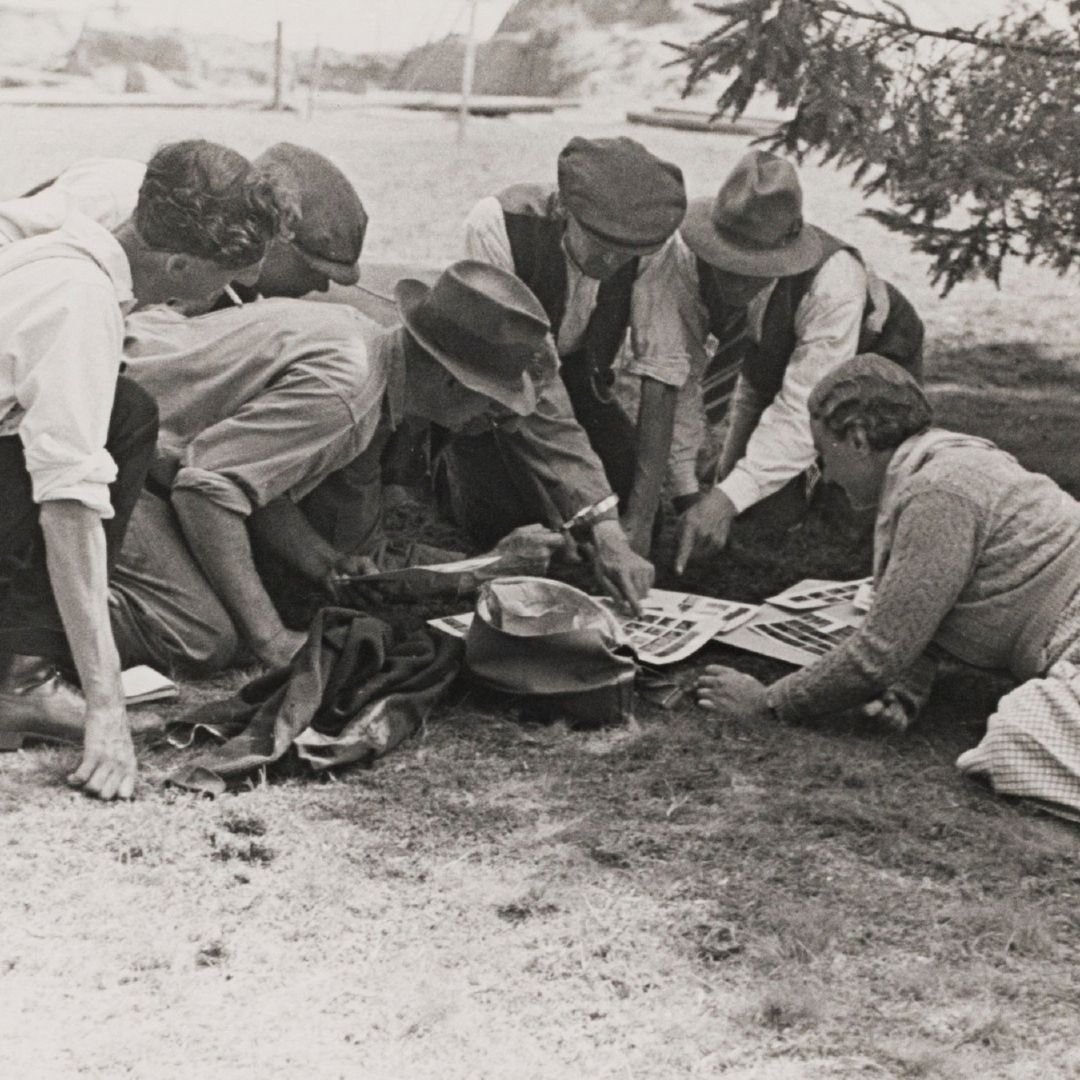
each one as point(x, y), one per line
point(485, 327)
point(329, 233)
point(754, 226)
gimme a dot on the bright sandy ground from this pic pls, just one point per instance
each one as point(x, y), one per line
point(503, 901)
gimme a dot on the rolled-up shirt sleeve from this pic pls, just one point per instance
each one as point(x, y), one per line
point(66, 353)
point(827, 325)
point(281, 442)
point(668, 322)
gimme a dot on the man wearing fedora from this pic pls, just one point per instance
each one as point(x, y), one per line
point(788, 303)
point(322, 241)
point(251, 431)
point(593, 250)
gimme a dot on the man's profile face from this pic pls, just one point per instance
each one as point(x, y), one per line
point(183, 277)
point(285, 272)
point(436, 395)
point(593, 257)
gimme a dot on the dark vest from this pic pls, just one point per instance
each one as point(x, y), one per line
point(535, 221)
point(764, 362)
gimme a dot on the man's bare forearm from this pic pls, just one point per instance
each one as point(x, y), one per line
point(219, 540)
point(282, 529)
point(75, 557)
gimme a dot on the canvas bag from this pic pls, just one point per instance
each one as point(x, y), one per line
point(538, 637)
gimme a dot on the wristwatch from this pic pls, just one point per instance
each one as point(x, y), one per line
point(580, 525)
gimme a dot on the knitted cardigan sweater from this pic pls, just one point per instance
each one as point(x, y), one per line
point(982, 556)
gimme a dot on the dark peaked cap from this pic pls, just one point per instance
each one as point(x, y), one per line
point(330, 232)
point(619, 192)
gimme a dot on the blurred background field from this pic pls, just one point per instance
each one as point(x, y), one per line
point(418, 183)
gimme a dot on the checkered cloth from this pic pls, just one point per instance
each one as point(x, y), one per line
point(1032, 742)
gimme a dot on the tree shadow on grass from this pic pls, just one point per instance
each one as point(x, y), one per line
point(1023, 365)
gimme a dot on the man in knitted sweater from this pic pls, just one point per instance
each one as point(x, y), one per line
point(973, 556)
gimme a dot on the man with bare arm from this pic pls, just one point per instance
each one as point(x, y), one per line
point(76, 440)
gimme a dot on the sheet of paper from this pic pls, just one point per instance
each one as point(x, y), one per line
point(462, 566)
point(461, 576)
point(143, 683)
point(816, 593)
point(454, 625)
point(674, 625)
point(797, 639)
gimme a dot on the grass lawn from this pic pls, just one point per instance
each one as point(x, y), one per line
point(504, 899)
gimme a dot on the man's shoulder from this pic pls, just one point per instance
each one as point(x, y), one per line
point(840, 278)
point(79, 252)
point(334, 340)
point(529, 200)
point(104, 189)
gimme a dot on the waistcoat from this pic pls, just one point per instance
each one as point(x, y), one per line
point(765, 362)
point(535, 221)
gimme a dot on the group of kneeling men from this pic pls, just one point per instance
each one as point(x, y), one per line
point(180, 431)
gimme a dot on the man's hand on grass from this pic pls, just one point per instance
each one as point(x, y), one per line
point(344, 571)
point(733, 695)
point(893, 709)
point(108, 767)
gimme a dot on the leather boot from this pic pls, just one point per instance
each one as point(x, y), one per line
point(36, 702)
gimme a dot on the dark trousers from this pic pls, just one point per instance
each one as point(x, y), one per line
point(30, 622)
point(482, 486)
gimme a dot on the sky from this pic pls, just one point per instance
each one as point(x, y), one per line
point(382, 25)
point(348, 25)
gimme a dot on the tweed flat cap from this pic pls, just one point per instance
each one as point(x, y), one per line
point(620, 193)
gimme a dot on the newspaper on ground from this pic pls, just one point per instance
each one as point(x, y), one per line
point(799, 638)
point(816, 593)
point(671, 626)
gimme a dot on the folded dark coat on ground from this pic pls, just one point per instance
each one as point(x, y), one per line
point(352, 693)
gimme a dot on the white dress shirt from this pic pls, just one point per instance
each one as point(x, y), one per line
point(104, 189)
point(827, 326)
point(62, 301)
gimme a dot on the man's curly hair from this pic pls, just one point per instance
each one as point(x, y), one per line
point(200, 198)
point(875, 393)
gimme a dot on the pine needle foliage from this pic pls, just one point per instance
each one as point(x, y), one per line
point(972, 135)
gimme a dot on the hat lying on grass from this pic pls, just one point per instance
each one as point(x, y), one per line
point(547, 640)
point(485, 327)
point(754, 226)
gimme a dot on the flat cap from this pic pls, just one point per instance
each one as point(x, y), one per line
point(329, 233)
point(620, 193)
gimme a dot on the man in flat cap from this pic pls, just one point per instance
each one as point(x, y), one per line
point(593, 248)
point(788, 303)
